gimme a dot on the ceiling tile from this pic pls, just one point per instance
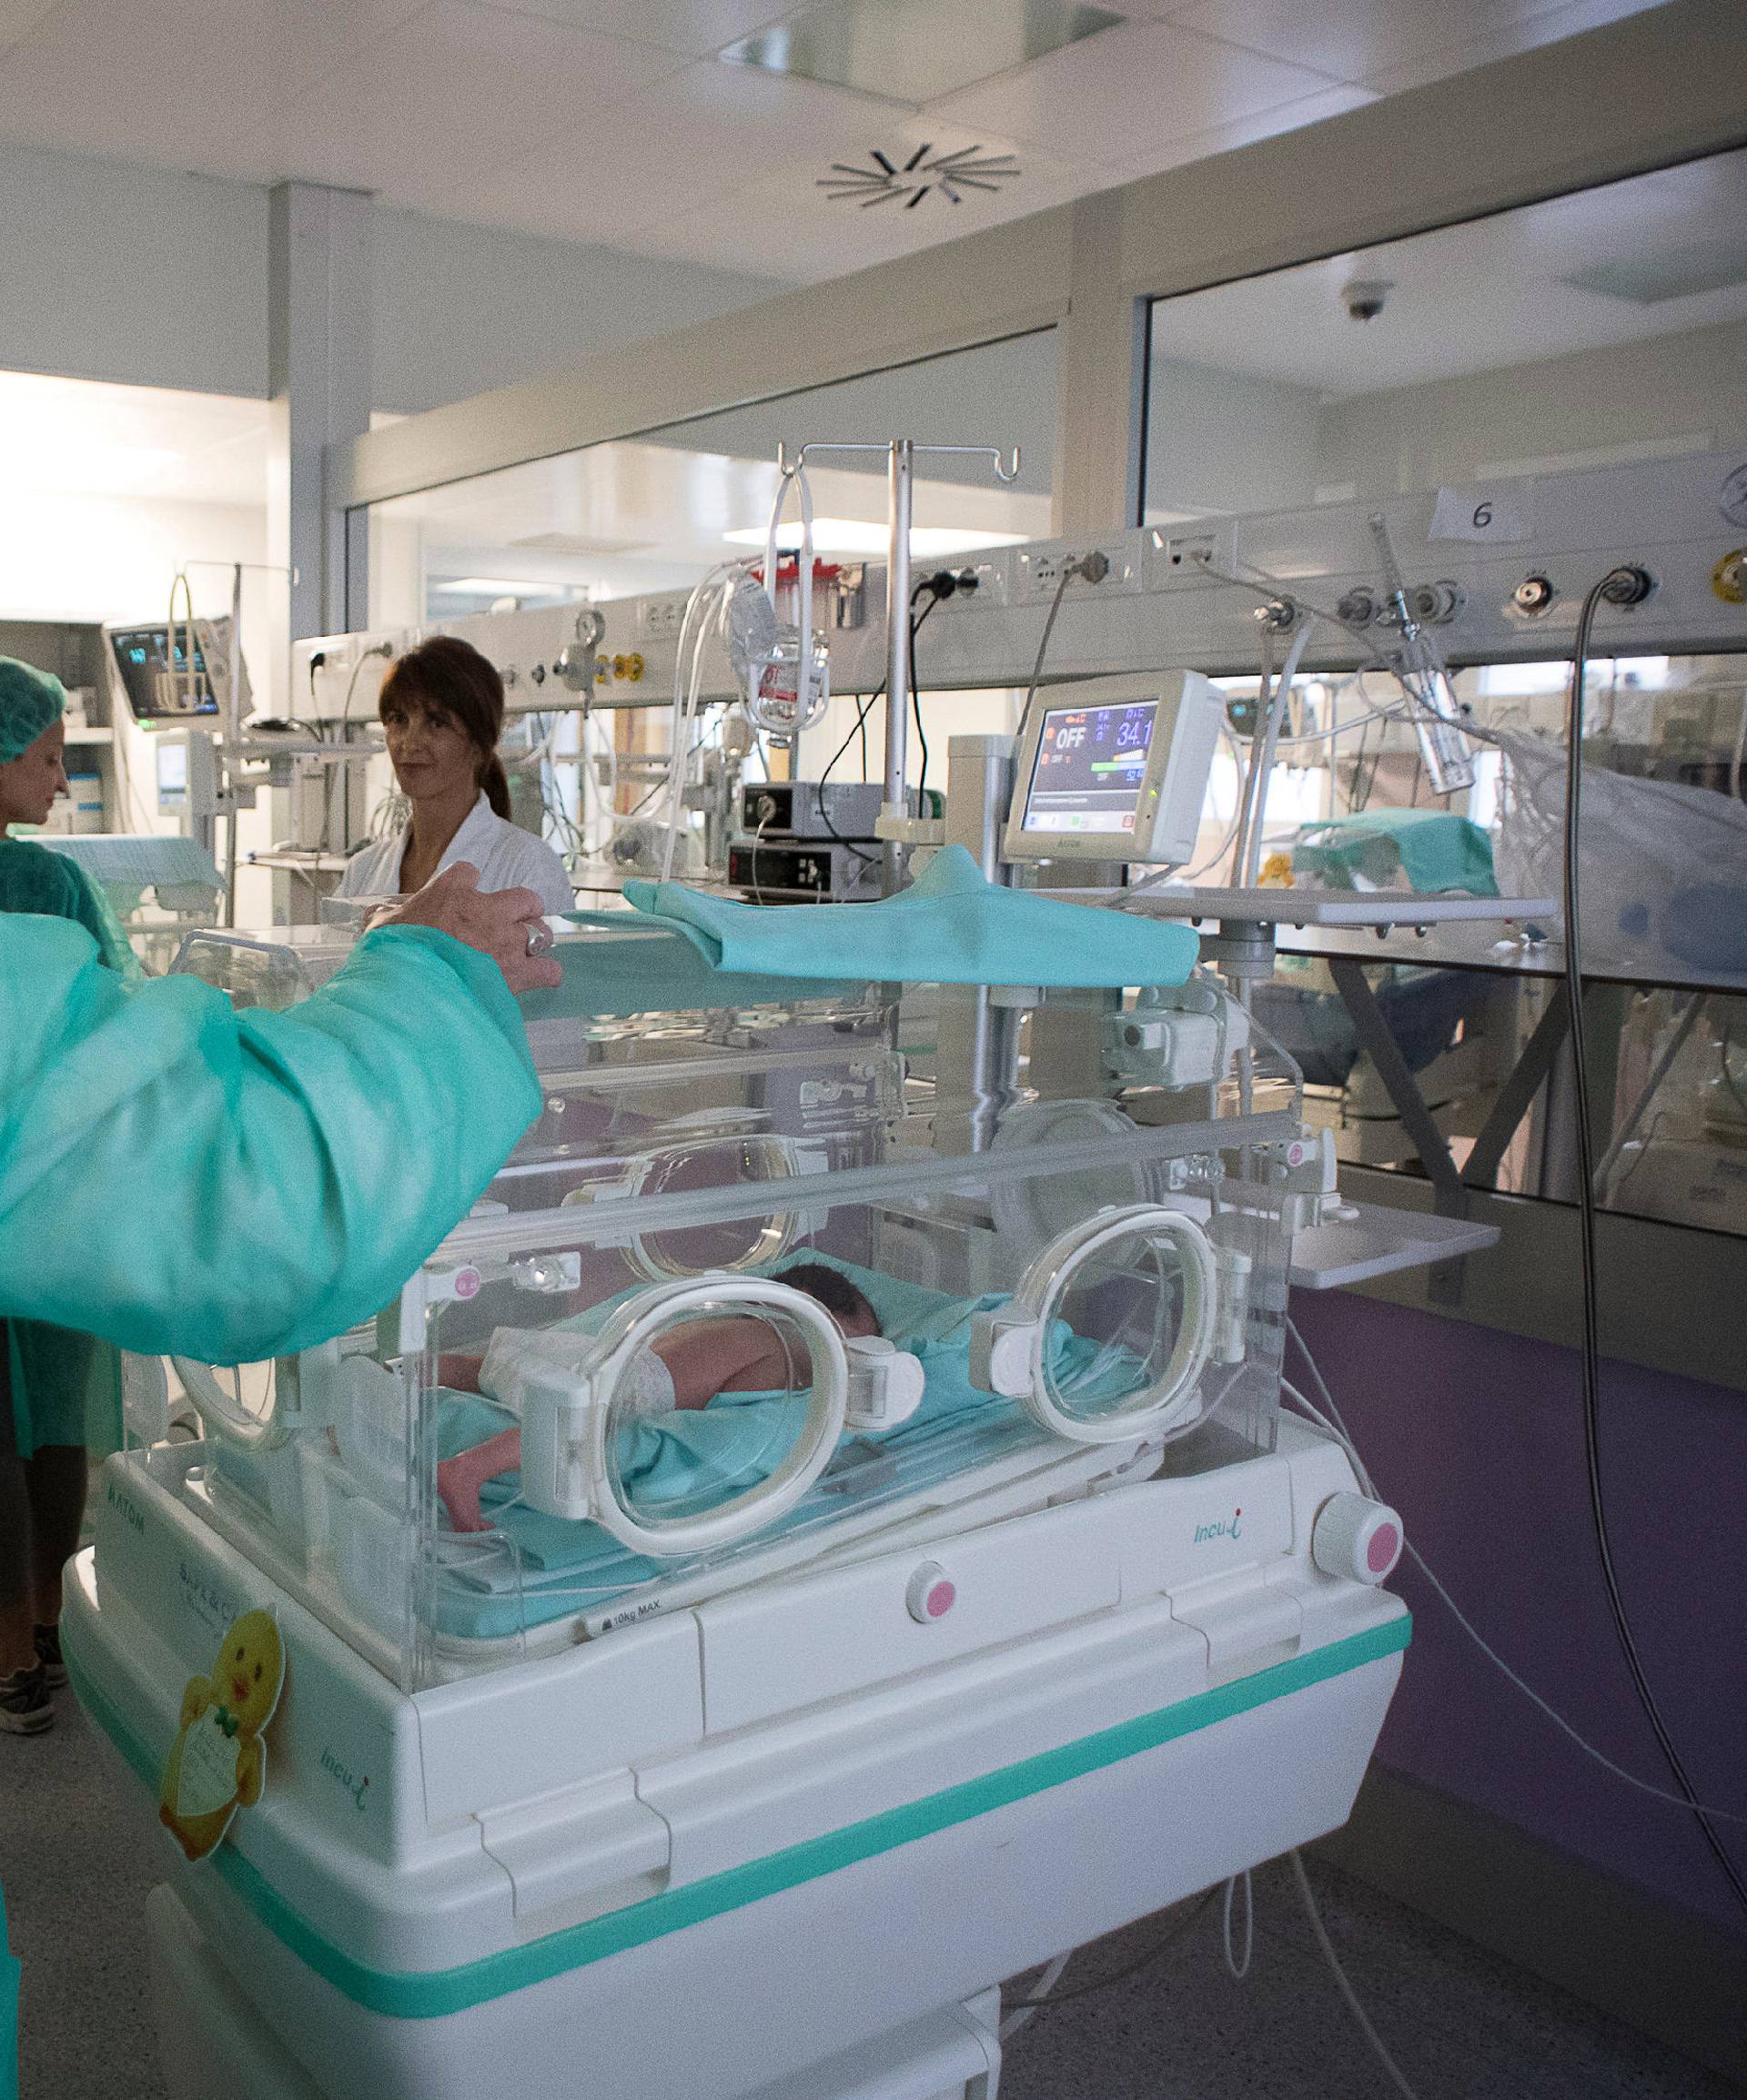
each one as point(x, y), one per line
point(1545, 26)
point(1350, 39)
point(115, 80)
point(1177, 152)
point(17, 16)
point(648, 156)
point(1122, 94)
point(457, 89)
point(691, 27)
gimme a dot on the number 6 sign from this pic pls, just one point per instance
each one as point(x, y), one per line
point(1501, 514)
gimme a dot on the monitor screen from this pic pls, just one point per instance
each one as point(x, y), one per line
point(1090, 764)
point(141, 657)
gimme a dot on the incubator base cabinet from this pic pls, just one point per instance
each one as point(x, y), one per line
point(772, 1576)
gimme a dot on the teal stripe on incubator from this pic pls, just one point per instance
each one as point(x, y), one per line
point(430, 1995)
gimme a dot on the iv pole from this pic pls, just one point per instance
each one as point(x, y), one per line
point(230, 735)
point(901, 455)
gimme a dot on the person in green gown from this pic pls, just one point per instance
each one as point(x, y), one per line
point(60, 1391)
point(180, 1177)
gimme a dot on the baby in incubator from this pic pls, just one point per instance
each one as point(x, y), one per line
point(686, 1368)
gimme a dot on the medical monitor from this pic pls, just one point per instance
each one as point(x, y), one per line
point(1115, 769)
point(153, 669)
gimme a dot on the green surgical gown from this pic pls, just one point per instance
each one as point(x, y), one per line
point(65, 1387)
point(179, 1178)
point(33, 878)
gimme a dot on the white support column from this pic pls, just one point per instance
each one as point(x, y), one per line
point(319, 342)
point(1102, 379)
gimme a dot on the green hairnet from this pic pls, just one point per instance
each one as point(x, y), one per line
point(30, 701)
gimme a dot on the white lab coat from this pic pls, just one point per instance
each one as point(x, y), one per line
point(507, 857)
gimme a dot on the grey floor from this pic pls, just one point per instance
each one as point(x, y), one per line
point(77, 1856)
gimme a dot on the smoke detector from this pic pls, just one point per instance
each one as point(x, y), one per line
point(883, 180)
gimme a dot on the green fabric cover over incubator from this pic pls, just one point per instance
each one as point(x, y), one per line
point(951, 926)
point(643, 965)
point(1436, 850)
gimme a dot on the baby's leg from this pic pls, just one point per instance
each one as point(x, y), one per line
point(459, 1479)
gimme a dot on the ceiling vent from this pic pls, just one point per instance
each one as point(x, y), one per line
point(883, 180)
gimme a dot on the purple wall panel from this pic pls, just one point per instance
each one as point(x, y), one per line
point(1477, 1437)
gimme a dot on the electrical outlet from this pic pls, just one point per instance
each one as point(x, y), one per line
point(1113, 564)
point(1176, 551)
point(659, 619)
point(990, 572)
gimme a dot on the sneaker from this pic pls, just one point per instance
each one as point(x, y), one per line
point(48, 1653)
point(24, 1707)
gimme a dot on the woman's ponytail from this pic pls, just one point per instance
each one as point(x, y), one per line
point(495, 782)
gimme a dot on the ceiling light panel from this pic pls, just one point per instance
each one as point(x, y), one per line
point(862, 535)
point(1674, 273)
point(913, 50)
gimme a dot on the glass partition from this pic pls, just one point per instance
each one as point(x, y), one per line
point(1603, 327)
point(657, 511)
point(1600, 330)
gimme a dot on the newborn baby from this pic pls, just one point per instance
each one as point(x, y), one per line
point(687, 1367)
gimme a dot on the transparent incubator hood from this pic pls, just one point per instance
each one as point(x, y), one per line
point(784, 1274)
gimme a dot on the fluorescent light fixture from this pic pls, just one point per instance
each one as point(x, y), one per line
point(1673, 273)
point(497, 587)
point(853, 536)
point(49, 459)
point(913, 50)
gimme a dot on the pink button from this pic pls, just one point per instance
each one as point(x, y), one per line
point(467, 1283)
point(1385, 1544)
point(930, 1594)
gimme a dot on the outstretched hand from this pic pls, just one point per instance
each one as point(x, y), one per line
point(509, 926)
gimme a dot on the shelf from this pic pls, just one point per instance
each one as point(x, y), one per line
point(90, 736)
point(1380, 1241)
point(1384, 908)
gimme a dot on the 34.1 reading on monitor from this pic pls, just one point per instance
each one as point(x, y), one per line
point(1091, 762)
point(1115, 769)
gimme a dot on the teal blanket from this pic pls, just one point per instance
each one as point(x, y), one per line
point(951, 926)
point(1436, 850)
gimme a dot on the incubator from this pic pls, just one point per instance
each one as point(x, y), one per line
point(779, 1566)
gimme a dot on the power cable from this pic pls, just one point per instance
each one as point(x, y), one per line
point(860, 725)
point(1328, 1418)
point(915, 709)
point(1621, 586)
point(941, 585)
point(1341, 1978)
point(1128, 1969)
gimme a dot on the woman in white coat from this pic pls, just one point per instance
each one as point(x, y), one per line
point(442, 707)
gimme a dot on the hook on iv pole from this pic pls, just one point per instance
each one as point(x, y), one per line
point(1005, 472)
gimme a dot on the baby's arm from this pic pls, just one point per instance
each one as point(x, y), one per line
point(459, 1479)
point(703, 1359)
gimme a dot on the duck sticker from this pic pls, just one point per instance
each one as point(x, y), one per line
point(217, 1763)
